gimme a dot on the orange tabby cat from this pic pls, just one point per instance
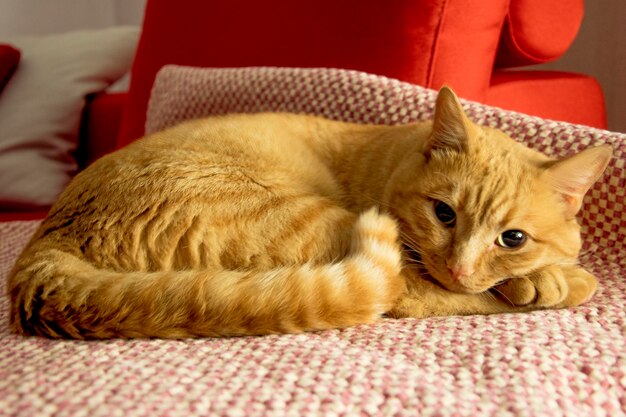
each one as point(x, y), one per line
point(256, 224)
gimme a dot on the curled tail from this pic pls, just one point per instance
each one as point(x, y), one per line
point(57, 294)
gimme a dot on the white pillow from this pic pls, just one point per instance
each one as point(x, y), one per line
point(40, 108)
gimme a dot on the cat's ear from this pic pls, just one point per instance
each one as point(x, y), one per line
point(451, 127)
point(573, 176)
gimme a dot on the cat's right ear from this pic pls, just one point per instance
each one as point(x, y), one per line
point(451, 127)
point(572, 177)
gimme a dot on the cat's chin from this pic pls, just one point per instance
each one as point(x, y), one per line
point(456, 287)
point(427, 276)
point(459, 288)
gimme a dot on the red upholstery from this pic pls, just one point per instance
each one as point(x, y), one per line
point(549, 94)
point(463, 43)
point(423, 42)
point(426, 42)
point(538, 31)
point(9, 59)
point(22, 215)
point(100, 126)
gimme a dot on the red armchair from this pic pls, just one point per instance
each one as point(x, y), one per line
point(469, 44)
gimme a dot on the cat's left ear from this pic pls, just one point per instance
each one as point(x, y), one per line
point(451, 127)
point(573, 176)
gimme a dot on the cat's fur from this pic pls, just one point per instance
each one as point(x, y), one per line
point(256, 224)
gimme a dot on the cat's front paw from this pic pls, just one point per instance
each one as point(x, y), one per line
point(550, 287)
point(581, 286)
point(543, 288)
point(517, 291)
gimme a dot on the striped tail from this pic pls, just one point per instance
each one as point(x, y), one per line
point(57, 294)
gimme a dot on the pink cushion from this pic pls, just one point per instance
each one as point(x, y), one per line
point(9, 58)
point(548, 363)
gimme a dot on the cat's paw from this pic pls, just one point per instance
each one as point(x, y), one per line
point(517, 291)
point(581, 286)
point(543, 288)
point(550, 287)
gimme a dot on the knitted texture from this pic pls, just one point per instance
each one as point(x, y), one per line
point(550, 363)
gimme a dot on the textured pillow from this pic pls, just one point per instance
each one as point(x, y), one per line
point(40, 109)
point(9, 58)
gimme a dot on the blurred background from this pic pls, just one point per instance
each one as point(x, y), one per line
point(599, 50)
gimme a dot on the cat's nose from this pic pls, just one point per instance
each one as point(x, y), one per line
point(459, 272)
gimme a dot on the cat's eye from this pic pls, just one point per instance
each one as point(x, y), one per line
point(511, 239)
point(444, 213)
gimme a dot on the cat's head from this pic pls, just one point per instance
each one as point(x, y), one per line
point(480, 208)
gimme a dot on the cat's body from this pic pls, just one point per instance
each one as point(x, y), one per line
point(255, 224)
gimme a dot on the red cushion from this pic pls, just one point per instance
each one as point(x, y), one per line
point(552, 95)
point(100, 126)
point(9, 216)
point(466, 46)
point(538, 31)
point(9, 58)
point(426, 42)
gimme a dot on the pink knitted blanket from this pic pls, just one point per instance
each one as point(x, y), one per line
point(550, 363)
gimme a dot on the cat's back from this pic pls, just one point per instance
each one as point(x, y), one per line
point(215, 171)
point(281, 150)
point(207, 159)
point(246, 137)
point(261, 142)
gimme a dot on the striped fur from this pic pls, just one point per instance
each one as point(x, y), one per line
point(274, 223)
point(72, 298)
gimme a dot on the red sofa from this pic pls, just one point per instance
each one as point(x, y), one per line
point(469, 44)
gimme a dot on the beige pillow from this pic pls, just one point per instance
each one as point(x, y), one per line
point(40, 108)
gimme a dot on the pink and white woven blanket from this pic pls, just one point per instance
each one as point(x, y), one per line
point(549, 363)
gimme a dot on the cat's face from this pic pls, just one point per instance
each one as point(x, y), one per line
point(480, 208)
point(479, 218)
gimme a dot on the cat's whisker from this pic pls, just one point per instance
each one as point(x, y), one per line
point(416, 262)
point(405, 236)
point(588, 254)
point(410, 241)
point(412, 251)
point(411, 248)
point(490, 297)
point(567, 264)
point(502, 294)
